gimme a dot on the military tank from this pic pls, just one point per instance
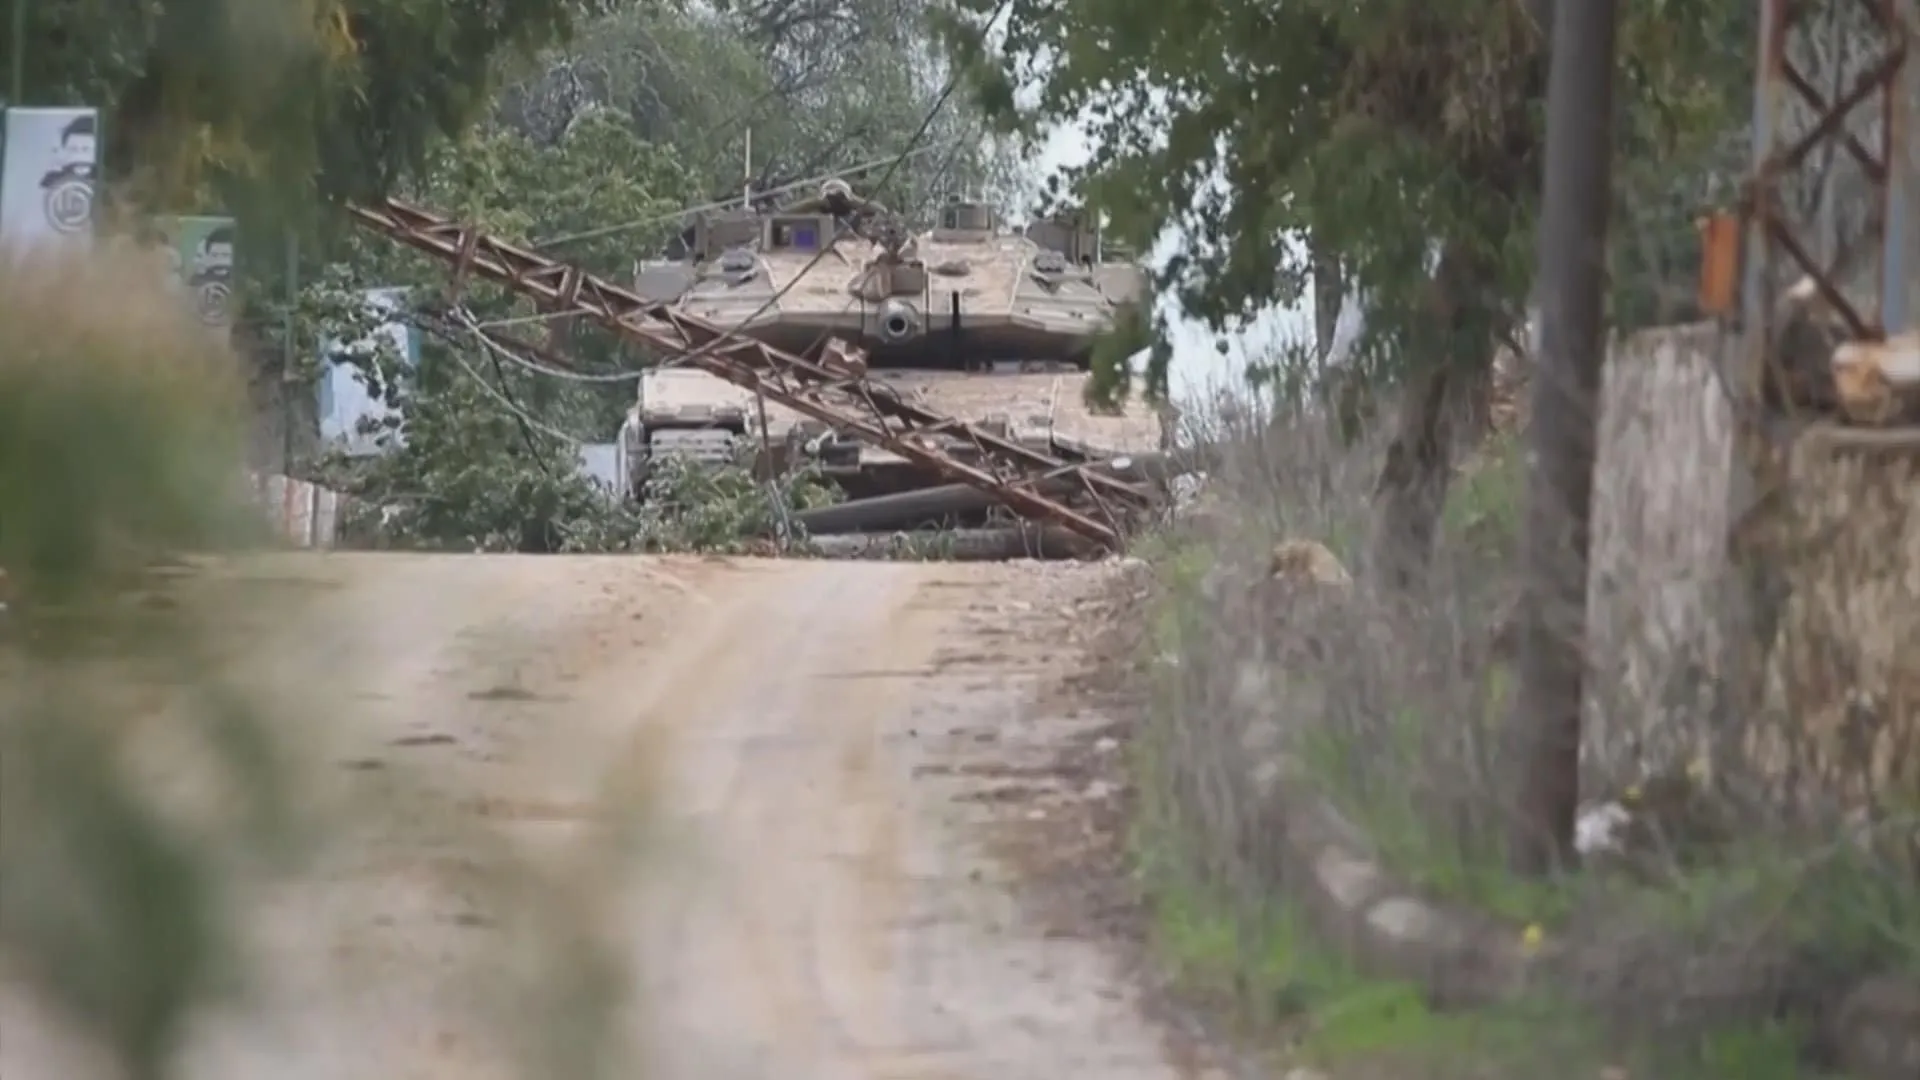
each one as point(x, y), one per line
point(970, 318)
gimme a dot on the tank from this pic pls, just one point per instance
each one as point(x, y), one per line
point(971, 318)
point(688, 413)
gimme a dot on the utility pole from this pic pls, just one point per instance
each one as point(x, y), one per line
point(19, 58)
point(1545, 722)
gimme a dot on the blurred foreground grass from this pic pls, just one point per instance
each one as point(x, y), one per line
point(149, 794)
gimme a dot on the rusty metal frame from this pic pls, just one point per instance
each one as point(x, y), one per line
point(1776, 155)
point(829, 389)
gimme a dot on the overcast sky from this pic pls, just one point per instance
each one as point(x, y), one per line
point(1197, 364)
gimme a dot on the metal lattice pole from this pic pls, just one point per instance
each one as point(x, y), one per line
point(1870, 286)
point(1853, 108)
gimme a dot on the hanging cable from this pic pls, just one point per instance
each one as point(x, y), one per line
point(926, 123)
point(465, 321)
point(723, 204)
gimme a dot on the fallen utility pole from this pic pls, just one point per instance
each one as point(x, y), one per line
point(830, 389)
point(1025, 541)
point(908, 508)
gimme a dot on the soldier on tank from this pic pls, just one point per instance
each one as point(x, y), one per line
point(837, 198)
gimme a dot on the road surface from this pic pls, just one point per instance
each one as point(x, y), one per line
point(816, 902)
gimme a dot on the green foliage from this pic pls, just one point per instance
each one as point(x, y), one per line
point(489, 457)
point(106, 456)
point(818, 84)
point(1132, 331)
point(1231, 940)
point(1387, 131)
point(118, 434)
point(472, 475)
point(265, 106)
point(152, 789)
point(518, 190)
point(598, 172)
point(688, 507)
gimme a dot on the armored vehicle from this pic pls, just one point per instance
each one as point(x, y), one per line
point(971, 318)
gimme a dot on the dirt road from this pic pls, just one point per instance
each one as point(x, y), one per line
point(823, 906)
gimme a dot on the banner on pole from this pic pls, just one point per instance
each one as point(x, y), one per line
point(47, 176)
point(200, 251)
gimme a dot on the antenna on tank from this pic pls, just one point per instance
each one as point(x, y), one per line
point(746, 173)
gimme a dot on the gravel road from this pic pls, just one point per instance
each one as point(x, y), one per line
point(826, 742)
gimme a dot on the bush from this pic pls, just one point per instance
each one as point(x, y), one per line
point(149, 792)
point(120, 423)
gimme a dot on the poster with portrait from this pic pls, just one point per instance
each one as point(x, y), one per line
point(200, 250)
point(47, 176)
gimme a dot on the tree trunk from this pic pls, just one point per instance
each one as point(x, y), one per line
point(1450, 366)
point(1413, 482)
point(1329, 296)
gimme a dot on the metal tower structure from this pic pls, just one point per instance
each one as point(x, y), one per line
point(1880, 93)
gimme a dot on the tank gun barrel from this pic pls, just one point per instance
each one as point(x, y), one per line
point(898, 321)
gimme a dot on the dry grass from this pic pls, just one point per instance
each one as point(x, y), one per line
point(1395, 707)
point(151, 795)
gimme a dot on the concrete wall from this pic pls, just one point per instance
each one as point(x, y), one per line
point(1659, 519)
point(1838, 731)
point(300, 513)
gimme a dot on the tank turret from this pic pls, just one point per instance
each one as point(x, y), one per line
point(977, 319)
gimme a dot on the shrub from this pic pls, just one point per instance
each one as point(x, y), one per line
point(150, 793)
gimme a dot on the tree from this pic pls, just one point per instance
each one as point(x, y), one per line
point(116, 447)
point(1404, 139)
point(489, 458)
point(818, 84)
point(274, 108)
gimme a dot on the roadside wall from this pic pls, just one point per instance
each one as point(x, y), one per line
point(1659, 519)
point(1844, 671)
point(300, 513)
point(1839, 733)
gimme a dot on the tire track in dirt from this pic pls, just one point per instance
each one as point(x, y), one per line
point(828, 741)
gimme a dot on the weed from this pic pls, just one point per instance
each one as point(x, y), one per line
point(1392, 707)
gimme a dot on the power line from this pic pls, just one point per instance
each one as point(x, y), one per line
point(479, 330)
point(703, 208)
point(912, 149)
point(519, 414)
point(926, 123)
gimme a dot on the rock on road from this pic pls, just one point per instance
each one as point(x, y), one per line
point(824, 908)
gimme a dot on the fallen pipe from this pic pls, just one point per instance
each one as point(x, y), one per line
point(909, 508)
point(1026, 541)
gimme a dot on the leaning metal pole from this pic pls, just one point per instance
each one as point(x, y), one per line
point(1545, 724)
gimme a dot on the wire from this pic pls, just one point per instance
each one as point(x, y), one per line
point(522, 419)
point(527, 421)
point(479, 330)
point(926, 123)
point(703, 208)
point(512, 406)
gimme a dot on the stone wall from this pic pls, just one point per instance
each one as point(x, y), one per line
point(1844, 671)
point(1840, 729)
